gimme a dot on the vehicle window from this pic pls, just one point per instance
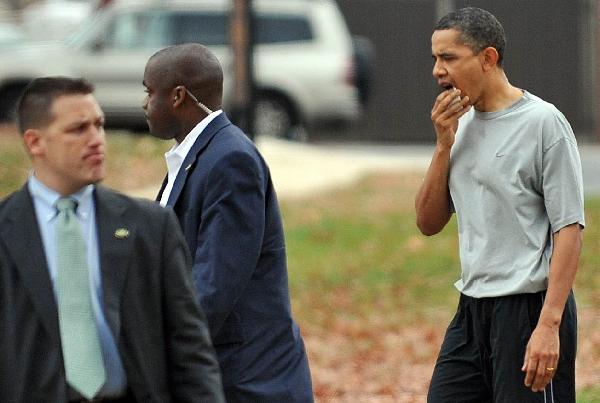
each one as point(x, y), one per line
point(136, 30)
point(213, 28)
point(207, 28)
point(277, 29)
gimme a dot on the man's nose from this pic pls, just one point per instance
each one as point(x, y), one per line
point(97, 135)
point(438, 70)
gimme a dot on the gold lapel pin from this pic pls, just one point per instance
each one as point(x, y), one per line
point(188, 167)
point(122, 233)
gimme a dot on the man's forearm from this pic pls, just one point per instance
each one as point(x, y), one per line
point(543, 349)
point(433, 199)
point(563, 267)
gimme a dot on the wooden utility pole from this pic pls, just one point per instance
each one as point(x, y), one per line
point(242, 43)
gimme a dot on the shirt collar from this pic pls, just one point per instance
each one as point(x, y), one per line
point(183, 148)
point(46, 198)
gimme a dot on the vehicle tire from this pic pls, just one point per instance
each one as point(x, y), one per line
point(274, 117)
point(9, 97)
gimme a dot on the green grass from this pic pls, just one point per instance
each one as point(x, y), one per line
point(364, 239)
point(358, 252)
point(14, 163)
point(588, 280)
point(589, 395)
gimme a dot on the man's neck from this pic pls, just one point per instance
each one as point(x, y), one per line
point(54, 183)
point(498, 95)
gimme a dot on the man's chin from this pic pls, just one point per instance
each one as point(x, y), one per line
point(97, 177)
point(161, 135)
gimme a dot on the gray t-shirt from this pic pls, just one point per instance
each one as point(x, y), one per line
point(515, 178)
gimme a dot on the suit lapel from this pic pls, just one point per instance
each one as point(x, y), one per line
point(191, 158)
point(20, 232)
point(162, 188)
point(116, 237)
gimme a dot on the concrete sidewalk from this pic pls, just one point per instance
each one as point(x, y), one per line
point(300, 169)
point(303, 169)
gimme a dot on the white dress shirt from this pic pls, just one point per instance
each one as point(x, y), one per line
point(176, 155)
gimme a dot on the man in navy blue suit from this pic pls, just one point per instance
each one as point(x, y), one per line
point(221, 190)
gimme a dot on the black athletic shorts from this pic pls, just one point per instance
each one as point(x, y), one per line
point(483, 351)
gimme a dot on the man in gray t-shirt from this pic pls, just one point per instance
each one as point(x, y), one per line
point(507, 163)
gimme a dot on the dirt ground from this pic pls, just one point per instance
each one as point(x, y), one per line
point(397, 366)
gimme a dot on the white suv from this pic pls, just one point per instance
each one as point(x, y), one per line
point(304, 62)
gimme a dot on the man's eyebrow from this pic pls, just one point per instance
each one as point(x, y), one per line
point(78, 123)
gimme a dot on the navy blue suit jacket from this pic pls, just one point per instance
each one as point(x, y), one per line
point(227, 207)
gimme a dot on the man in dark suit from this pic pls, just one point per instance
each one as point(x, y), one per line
point(221, 190)
point(132, 331)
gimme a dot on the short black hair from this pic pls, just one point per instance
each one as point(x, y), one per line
point(479, 29)
point(194, 66)
point(34, 107)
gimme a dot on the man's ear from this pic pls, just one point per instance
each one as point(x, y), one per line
point(489, 58)
point(34, 143)
point(178, 95)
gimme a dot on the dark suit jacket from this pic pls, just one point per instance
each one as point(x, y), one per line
point(225, 202)
point(149, 303)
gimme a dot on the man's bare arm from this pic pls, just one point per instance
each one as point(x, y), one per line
point(432, 203)
point(544, 345)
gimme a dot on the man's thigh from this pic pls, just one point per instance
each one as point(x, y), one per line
point(514, 320)
point(458, 375)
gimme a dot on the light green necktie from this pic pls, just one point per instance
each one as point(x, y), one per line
point(82, 353)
